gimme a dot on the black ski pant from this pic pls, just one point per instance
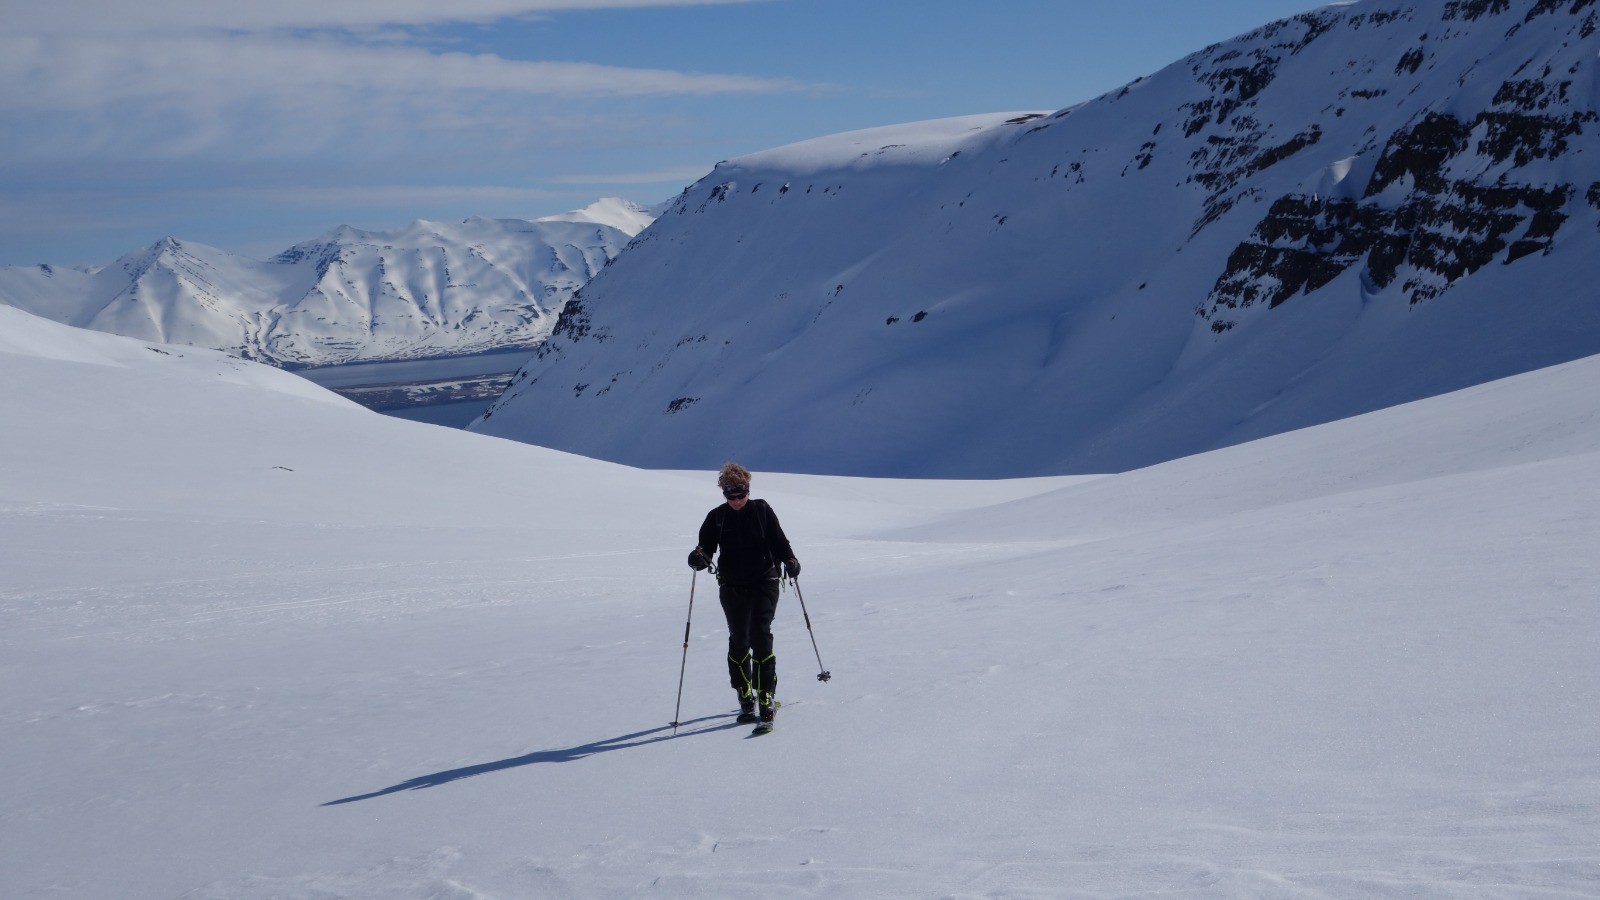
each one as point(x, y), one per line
point(751, 663)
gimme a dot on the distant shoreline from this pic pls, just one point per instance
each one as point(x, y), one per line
point(450, 390)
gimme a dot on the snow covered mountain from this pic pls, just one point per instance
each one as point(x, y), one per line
point(260, 643)
point(1360, 206)
point(432, 289)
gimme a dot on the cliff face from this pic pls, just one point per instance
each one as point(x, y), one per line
point(1446, 197)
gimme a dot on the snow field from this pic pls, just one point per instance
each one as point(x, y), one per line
point(258, 644)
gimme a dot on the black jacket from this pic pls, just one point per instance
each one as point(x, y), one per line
point(752, 542)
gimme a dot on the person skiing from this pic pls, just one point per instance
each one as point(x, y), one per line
point(753, 548)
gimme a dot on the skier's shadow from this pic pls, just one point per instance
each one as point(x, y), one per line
point(622, 742)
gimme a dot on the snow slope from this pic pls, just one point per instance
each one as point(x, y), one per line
point(1360, 206)
point(258, 642)
point(431, 289)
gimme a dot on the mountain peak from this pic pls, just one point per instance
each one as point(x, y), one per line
point(142, 260)
point(624, 215)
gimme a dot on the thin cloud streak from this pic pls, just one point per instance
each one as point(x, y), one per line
point(37, 207)
point(87, 73)
point(377, 196)
point(279, 96)
point(684, 175)
point(173, 16)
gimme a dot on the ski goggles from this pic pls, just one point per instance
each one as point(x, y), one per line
point(735, 491)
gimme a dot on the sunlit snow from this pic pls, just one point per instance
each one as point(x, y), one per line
point(261, 643)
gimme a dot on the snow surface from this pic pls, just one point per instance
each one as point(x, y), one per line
point(258, 642)
point(910, 143)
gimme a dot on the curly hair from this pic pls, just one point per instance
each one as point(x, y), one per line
point(733, 473)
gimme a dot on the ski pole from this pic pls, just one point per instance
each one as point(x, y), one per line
point(823, 674)
point(683, 666)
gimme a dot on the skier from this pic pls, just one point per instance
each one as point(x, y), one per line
point(753, 547)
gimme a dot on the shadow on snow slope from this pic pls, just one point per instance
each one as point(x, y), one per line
point(622, 742)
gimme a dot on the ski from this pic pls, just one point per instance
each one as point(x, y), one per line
point(764, 725)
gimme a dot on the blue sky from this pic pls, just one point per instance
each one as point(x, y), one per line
point(252, 126)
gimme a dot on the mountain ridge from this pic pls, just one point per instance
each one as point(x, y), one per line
point(349, 295)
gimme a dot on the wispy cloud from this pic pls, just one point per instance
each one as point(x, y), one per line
point(169, 16)
point(255, 122)
point(95, 71)
point(682, 174)
point(381, 196)
point(169, 79)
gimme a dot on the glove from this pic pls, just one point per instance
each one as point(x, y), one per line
point(698, 561)
point(791, 568)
